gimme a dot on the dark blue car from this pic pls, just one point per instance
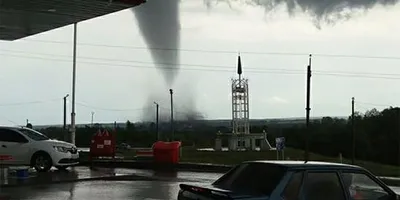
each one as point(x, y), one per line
point(291, 180)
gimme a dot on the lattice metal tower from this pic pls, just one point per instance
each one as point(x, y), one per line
point(240, 103)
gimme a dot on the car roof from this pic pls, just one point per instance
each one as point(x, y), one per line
point(307, 165)
point(13, 127)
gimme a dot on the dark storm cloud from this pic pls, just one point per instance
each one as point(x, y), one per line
point(328, 11)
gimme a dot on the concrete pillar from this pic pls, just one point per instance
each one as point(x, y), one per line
point(264, 145)
point(218, 144)
point(4, 175)
point(253, 144)
point(247, 142)
point(232, 142)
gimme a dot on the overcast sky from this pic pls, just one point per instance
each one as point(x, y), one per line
point(116, 82)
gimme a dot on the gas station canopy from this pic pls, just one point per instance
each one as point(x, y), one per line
point(22, 18)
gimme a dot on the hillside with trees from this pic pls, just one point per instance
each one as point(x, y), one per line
point(377, 134)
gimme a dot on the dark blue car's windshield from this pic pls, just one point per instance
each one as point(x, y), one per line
point(252, 178)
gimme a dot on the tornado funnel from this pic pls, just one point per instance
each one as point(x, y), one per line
point(159, 25)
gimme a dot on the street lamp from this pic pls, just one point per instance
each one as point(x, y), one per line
point(73, 114)
point(65, 111)
point(65, 116)
point(172, 114)
point(157, 134)
point(92, 118)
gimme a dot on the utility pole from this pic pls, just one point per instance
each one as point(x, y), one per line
point(157, 132)
point(398, 129)
point(65, 112)
point(353, 134)
point(92, 119)
point(73, 86)
point(172, 115)
point(65, 118)
point(306, 153)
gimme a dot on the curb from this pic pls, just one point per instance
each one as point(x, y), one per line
point(102, 178)
point(189, 167)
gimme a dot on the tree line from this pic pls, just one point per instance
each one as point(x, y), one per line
point(377, 134)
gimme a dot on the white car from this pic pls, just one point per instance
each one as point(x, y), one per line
point(22, 146)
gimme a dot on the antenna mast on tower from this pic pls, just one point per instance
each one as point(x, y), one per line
point(240, 103)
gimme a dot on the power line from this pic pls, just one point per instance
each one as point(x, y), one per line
point(141, 62)
point(108, 109)
point(180, 112)
point(374, 104)
point(222, 51)
point(30, 102)
point(259, 70)
point(273, 71)
point(201, 65)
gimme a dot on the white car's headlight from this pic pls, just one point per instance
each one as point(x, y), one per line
point(61, 149)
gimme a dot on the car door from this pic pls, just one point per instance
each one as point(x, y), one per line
point(324, 185)
point(293, 187)
point(5, 153)
point(359, 185)
point(15, 146)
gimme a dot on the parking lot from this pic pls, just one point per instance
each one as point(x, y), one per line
point(99, 190)
point(164, 185)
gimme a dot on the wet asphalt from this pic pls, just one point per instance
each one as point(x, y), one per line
point(164, 188)
point(97, 190)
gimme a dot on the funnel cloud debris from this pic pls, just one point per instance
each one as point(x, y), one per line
point(183, 111)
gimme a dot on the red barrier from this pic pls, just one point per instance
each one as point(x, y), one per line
point(167, 152)
point(144, 153)
point(102, 145)
point(5, 157)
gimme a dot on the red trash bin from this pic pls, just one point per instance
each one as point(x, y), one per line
point(167, 152)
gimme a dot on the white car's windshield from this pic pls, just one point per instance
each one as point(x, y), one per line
point(34, 135)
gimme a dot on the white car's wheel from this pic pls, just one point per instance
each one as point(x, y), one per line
point(42, 162)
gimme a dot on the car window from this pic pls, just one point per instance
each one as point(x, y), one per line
point(34, 135)
point(323, 185)
point(252, 178)
point(7, 135)
point(292, 189)
point(362, 187)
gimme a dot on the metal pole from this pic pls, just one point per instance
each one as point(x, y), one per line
point(92, 119)
point(172, 115)
point(73, 87)
point(65, 112)
point(353, 134)
point(398, 126)
point(65, 118)
point(157, 132)
point(306, 154)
